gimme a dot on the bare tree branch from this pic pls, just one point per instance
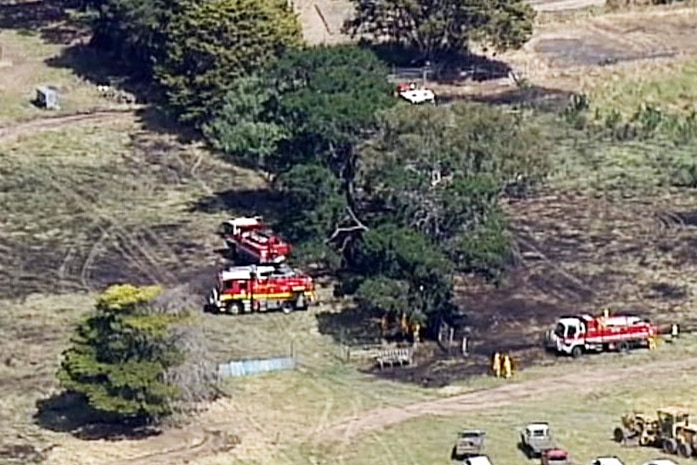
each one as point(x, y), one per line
point(196, 377)
point(358, 226)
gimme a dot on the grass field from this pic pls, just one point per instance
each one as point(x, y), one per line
point(118, 199)
point(25, 55)
point(96, 203)
point(583, 419)
point(582, 423)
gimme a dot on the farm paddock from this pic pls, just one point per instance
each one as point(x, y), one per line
point(127, 211)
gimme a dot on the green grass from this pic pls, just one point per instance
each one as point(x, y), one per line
point(582, 421)
point(587, 165)
point(669, 86)
point(26, 55)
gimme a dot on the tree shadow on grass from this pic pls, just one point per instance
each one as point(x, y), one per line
point(407, 63)
point(70, 413)
point(30, 16)
point(529, 96)
point(98, 68)
point(351, 326)
point(251, 202)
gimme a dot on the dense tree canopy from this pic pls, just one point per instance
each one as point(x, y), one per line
point(195, 49)
point(211, 43)
point(442, 171)
point(438, 28)
point(398, 196)
point(312, 106)
point(121, 355)
point(132, 31)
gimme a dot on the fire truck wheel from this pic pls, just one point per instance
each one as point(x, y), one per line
point(685, 450)
point(624, 346)
point(235, 308)
point(576, 352)
point(670, 446)
point(287, 307)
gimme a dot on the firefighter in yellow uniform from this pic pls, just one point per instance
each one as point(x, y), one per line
point(496, 365)
point(507, 366)
point(416, 331)
point(404, 324)
point(652, 343)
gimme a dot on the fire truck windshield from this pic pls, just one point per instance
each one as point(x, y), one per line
point(560, 330)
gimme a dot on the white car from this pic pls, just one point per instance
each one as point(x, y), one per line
point(477, 460)
point(418, 96)
point(660, 462)
point(607, 461)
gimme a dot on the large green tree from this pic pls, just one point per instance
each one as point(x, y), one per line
point(442, 170)
point(399, 196)
point(211, 43)
point(132, 32)
point(314, 105)
point(402, 268)
point(195, 49)
point(438, 28)
point(244, 129)
point(121, 353)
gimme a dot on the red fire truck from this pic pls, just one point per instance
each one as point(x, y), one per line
point(575, 335)
point(244, 289)
point(250, 238)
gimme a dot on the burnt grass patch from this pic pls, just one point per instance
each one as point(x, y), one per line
point(106, 223)
point(577, 254)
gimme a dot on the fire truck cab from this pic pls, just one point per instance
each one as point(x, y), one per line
point(245, 289)
point(252, 238)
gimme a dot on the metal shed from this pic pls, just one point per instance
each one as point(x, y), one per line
point(47, 97)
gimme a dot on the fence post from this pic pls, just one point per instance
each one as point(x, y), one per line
point(450, 340)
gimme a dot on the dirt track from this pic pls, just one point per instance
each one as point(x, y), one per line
point(209, 443)
point(561, 5)
point(582, 381)
point(57, 122)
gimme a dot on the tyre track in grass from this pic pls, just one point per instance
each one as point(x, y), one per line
point(53, 123)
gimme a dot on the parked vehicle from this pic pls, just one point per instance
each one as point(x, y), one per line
point(477, 460)
point(579, 334)
point(536, 438)
point(470, 442)
point(671, 430)
point(243, 289)
point(251, 239)
point(555, 456)
point(610, 460)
